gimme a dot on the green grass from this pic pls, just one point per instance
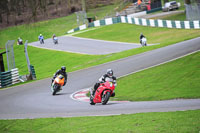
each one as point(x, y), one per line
point(177, 16)
point(46, 62)
point(31, 32)
point(130, 33)
point(177, 79)
point(169, 122)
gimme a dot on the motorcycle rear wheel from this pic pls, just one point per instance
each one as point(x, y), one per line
point(105, 98)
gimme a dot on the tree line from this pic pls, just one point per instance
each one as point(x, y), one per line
point(14, 12)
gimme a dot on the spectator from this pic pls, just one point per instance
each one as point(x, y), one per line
point(139, 4)
point(117, 14)
point(19, 41)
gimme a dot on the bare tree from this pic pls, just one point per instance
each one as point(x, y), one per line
point(33, 4)
point(3, 8)
point(43, 7)
point(166, 1)
point(187, 2)
point(69, 5)
point(83, 5)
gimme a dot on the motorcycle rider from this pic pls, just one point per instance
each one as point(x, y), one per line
point(63, 72)
point(41, 38)
point(55, 39)
point(19, 41)
point(106, 77)
point(53, 36)
point(141, 36)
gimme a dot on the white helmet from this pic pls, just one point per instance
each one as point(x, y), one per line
point(110, 72)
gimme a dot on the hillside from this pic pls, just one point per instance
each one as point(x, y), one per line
point(16, 12)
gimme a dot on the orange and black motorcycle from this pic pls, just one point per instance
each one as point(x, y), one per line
point(57, 84)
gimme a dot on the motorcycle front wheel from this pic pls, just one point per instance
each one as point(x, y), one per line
point(55, 89)
point(91, 101)
point(105, 98)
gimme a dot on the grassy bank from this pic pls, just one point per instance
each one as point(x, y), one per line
point(130, 33)
point(46, 62)
point(170, 122)
point(177, 79)
point(57, 26)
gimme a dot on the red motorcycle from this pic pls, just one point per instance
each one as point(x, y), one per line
point(103, 93)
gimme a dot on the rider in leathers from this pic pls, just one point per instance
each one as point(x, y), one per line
point(106, 77)
point(62, 71)
point(141, 36)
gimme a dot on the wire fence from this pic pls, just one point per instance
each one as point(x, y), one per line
point(193, 11)
point(10, 54)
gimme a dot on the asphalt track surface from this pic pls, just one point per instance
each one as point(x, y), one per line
point(85, 46)
point(34, 100)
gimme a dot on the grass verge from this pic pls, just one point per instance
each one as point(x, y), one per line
point(130, 33)
point(176, 79)
point(169, 122)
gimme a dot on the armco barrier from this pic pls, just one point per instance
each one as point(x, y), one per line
point(15, 76)
point(8, 78)
point(143, 22)
point(33, 72)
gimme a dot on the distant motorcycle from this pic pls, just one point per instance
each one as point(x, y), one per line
point(144, 41)
point(55, 40)
point(41, 41)
point(57, 84)
point(103, 93)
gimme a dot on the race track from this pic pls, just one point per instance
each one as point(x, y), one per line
point(85, 46)
point(34, 100)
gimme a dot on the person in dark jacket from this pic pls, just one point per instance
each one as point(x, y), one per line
point(141, 36)
point(63, 72)
point(106, 77)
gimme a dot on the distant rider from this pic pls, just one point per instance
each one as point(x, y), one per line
point(141, 36)
point(63, 72)
point(106, 77)
point(55, 39)
point(53, 36)
point(41, 39)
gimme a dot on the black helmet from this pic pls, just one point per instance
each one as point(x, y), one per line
point(110, 72)
point(63, 68)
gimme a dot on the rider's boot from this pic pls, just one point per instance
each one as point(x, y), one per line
point(93, 93)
